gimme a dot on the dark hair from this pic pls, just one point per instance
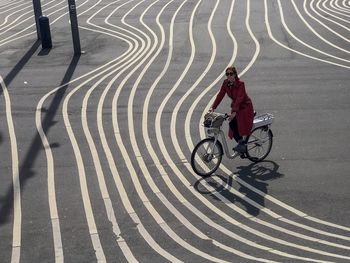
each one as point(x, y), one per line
point(234, 71)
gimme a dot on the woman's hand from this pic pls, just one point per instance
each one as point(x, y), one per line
point(233, 114)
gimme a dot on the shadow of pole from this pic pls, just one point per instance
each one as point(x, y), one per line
point(25, 171)
point(20, 65)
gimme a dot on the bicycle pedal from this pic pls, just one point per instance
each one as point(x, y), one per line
point(243, 156)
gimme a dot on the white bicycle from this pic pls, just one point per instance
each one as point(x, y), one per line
point(207, 154)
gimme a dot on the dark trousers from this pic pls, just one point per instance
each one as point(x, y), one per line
point(234, 127)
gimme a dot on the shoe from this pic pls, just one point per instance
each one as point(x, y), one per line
point(243, 156)
point(240, 147)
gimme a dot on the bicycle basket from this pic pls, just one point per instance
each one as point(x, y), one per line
point(212, 120)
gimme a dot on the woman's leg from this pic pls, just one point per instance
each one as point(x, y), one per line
point(234, 127)
point(241, 148)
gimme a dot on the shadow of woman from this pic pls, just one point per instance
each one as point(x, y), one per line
point(249, 178)
point(255, 176)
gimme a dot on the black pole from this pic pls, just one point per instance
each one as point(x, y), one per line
point(45, 33)
point(74, 26)
point(37, 14)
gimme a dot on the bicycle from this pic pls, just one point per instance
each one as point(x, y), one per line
point(207, 154)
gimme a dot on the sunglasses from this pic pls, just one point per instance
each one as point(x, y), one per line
point(229, 73)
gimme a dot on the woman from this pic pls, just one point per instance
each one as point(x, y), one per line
point(242, 113)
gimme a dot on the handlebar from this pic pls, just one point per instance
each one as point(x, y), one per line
point(224, 115)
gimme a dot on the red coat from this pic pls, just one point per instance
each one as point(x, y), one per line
point(241, 104)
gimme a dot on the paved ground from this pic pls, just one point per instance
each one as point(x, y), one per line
point(95, 149)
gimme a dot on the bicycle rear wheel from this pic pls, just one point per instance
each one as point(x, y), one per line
point(259, 144)
point(206, 157)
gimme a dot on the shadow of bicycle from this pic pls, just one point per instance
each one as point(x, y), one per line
point(251, 181)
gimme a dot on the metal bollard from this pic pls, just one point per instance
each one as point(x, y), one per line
point(45, 33)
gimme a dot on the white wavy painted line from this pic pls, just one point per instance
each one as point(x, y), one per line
point(334, 9)
point(317, 34)
point(256, 42)
point(24, 20)
point(13, 13)
point(52, 199)
point(123, 21)
point(341, 11)
point(8, 5)
point(59, 257)
point(328, 14)
point(132, 171)
point(343, 5)
point(103, 188)
point(51, 23)
point(13, 38)
point(17, 212)
point(274, 215)
point(279, 217)
point(173, 166)
point(118, 182)
point(291, 209)
point(346, 3)
point(330, 11)
point(94, 235)
point(100, 175)
point(302, 42)
point(51, 190)
point(337, 6)
point(160, 167)
point(82, 177)
point(323, 24)
point(17, 10)
point(272, 199)
point(287, 207)
point(267, 224)
point(55, 221)
point(143, 166)
point(80, 11)
point(94, 70)
point(28, 5)
point(181, 155)
point(293, 50)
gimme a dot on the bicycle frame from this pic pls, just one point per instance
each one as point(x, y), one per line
point(207, 154)
point(219, 133)
point(259, 121)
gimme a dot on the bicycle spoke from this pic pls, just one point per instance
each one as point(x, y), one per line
point(206, 157)
point(259, 144)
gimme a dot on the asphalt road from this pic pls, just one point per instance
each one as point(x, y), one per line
point(95, 149)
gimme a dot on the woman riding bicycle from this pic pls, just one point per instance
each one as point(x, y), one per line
point(242, 112)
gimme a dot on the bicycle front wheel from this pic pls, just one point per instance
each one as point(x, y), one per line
point(259, 144)
point(206, 157)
